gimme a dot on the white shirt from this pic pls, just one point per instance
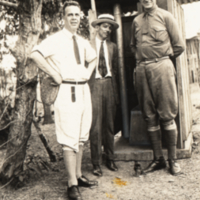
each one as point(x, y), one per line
point(58, 51)
point(98, 45)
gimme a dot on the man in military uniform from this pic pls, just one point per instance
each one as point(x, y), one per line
point(156, 38)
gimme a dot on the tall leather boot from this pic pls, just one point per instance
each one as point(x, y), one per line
point(159, 161)
point(171, 141)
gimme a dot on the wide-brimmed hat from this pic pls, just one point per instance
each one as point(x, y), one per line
point(105, 18)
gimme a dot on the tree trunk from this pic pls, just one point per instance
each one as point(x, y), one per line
point(47, 115)
point(20, 129)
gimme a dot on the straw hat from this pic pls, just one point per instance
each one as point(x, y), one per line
point(49, 91)
point(105, 18)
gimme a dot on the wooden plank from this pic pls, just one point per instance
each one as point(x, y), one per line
point(183, 77)
point(181, 101)
point(188, 106)
point(186, 84)
point(189, 96)
point(122, 76)
point(93, 5)
point(92, 16)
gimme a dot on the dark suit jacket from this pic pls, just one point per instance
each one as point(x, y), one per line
point(113, 62)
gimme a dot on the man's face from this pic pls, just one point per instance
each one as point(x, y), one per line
point(72, 18)
point(104, 30)
point(147, 4)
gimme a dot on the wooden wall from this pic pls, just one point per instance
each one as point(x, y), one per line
point(193, 56)
point(183, 85)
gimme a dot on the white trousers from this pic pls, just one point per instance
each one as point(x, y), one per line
point(73, 119)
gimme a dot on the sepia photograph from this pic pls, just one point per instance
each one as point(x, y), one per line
point(99, 100)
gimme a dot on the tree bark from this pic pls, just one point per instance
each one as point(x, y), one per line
point(47, 115)
point(20, 129)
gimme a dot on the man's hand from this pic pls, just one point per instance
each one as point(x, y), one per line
point(44, 65)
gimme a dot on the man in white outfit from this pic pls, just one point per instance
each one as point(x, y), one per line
point(63, 56)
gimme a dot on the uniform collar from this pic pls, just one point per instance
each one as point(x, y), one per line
point(69, 34)
point(150, 11)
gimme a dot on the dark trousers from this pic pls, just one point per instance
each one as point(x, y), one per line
point(104, 111)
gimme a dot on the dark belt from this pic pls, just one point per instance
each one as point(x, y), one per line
point(75, 82)
point(154, 60)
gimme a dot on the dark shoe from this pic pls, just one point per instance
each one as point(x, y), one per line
point(155, 165)
point(137, 169)
point(73, 193)
point(84, 182)
point(111, 165)
point(97, 170)
point(174, 167)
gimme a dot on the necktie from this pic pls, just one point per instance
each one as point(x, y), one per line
point(146, 24)
point(102, 62)
point(76, 51)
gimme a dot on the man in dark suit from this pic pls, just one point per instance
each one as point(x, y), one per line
point(105, 95)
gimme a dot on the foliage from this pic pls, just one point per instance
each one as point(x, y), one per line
point(9, 27)
point(84, 27)
point(51, 22)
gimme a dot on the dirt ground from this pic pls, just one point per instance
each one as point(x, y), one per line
point(121, 185)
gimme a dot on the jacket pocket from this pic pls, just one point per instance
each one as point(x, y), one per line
point(159, 33)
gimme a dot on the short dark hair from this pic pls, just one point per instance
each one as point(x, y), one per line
point(70, 3)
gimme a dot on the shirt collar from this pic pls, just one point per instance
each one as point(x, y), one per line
point(99, 41)
point(150, 11)
point(69, 34)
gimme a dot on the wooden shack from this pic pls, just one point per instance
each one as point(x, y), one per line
point(193, 58)
point(124, 12)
